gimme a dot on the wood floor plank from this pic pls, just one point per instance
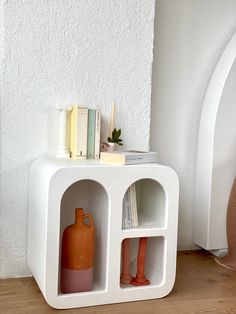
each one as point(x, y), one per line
point(202, 286)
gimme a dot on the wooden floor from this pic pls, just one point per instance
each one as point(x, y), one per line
point(202, 286)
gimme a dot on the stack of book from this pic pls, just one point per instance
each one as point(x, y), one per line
point(130, 211)
point(84, 133)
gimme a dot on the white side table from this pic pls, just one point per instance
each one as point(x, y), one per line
point(57, 187)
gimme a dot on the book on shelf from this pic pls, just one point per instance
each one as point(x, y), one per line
point(133, 202)
point(127, 219)
point(78, 122)
point(130, 213)
point(91, 133)
point(84, 133)
point(128, 157)
point(97, 134)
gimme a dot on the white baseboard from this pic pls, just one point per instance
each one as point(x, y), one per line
point(14, 267)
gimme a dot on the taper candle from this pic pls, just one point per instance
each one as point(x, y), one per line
point(112, 120)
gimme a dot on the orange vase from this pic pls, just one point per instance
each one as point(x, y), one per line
point(77, 254)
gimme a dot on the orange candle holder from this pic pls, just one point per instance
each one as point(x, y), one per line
point(126, 277)
point(140, 279)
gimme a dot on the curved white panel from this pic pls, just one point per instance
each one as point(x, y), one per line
point(215, 169)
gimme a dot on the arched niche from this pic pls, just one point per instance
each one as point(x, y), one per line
point(216, 154)
point(92, 197)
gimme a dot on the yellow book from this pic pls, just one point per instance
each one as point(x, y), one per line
point(78, 120)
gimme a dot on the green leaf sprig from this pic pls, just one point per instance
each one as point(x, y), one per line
point(115, 138)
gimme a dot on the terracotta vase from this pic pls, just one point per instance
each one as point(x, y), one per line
point(77, 254)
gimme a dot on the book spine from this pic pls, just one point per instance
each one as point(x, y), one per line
point(136, 207)
point(138, 159)
point(82, 129)
point(133, 201)
point(127, 219)
point(124, 212)
point(129, 223)
point(97, 134)
point(78, 132)
point(91, 133)
point(72, 131)
point(131, 206)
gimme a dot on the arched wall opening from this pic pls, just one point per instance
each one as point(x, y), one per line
point(216, 154)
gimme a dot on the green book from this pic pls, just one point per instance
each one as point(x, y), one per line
point(91, 133)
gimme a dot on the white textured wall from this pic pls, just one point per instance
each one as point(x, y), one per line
point(58, 52)
point(190, 35)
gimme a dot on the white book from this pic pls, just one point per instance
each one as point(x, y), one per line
point(131, 207)
point(127, 219)
point(133, 202)
point(124, 212)
point(82, 129)
point(129, 214)
point(97, 134)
